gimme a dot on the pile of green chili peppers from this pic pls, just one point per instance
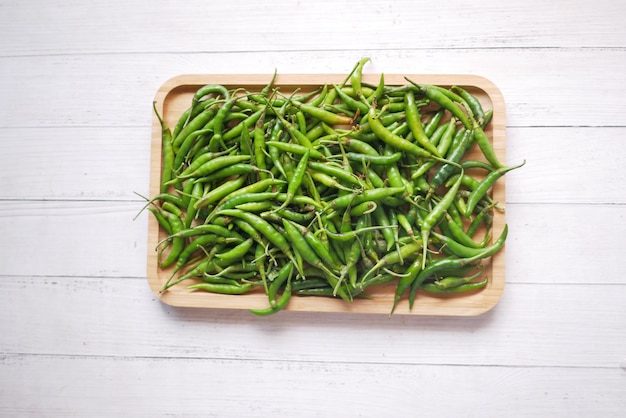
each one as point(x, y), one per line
point(328, 192)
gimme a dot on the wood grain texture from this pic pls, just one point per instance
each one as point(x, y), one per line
point(67, 237)
point(286, 25)
point(98, 163)
point(82, 333)
point(117, 90)
point(104, 387)
point(534, 325)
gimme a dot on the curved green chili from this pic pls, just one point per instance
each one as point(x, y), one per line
point(481, 189)
point(436, 213)
point(167, 151)
point(415, 124)
point(225, 289)
point(465, 287)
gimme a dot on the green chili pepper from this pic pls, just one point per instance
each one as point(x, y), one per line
point(324, 115)
point(444, 101)
point(296, 181)
point(481, 189)
point(415, 124)
point(394, 257)
point(195, 124)
point(466, 287)
point(357, 74)
point(473, 103)
point(436, 213)
point(296, 149)
point(236, 252)
point(451, 167)
point(226, 289)
point(485, 146)
point(167, 151)
point(433, 124)
point(393, 140)
point(455, 281)
point(454, 262)
point(178, 244)
point(203, 158)
point(365, 159)
point(263, 227)
point(278, 306)
point(301, 245)
point(220, 192)
point(212, 166)
point(352, 103)
point(217, 140)
point(405, 282)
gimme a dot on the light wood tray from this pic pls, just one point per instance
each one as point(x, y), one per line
point(175, 96)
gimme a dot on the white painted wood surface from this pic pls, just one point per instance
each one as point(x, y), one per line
point(82, 334)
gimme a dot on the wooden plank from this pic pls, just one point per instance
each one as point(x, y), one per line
point(112, 163)
point(79, 163)
point(155, 387)
point(541, 87)
point(572, 240)
point(64, 238)
point(534, 325)
point(60, 27)
point(575, 165)
point(105, 241)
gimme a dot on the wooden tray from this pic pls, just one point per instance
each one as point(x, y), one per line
point(175, 96)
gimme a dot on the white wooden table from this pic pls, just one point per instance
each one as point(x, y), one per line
point(81, 333)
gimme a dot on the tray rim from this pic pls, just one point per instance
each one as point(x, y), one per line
point(426, 305)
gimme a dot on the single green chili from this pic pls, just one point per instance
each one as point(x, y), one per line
point(296, 149)
point(296, 181)
point(466, 287)
point(212, 166)
point(220, 192)
point(454, 281)
point(178, 244)
point(384, 160)
point(324, 115)
point(472, 102)
point(226, 289)
point(415, 124)
point(436, 213)
point(485, 146)
point(481, 189)
point(237, 252)
point(433, 123)
point(357, 74)
point(404, 283)
point(167, 151)
point(217, 139)
point(278, 306)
